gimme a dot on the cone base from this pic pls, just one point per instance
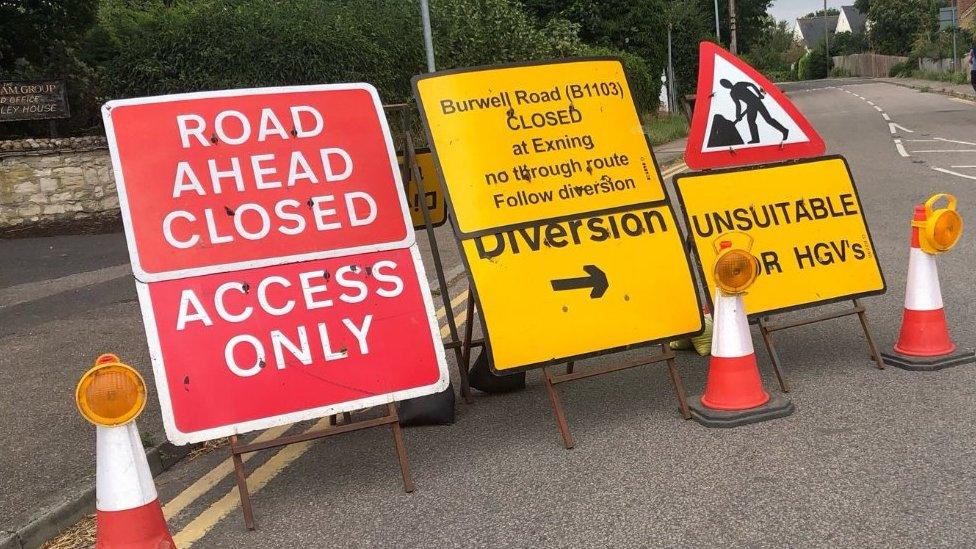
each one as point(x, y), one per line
point(778, 406)
point(929, 363)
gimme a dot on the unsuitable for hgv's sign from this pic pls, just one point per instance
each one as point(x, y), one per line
point(560, 209)
point(274, 255)
point(808, 226)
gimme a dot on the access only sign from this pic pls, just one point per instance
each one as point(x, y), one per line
point(281, 344)
point(808, 226)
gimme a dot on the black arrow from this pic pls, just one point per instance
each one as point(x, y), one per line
point(594, 279)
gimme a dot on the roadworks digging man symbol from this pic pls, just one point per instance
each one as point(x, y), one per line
point(748, 99)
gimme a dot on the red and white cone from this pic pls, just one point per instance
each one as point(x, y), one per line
point(128, 512)
point(734, 393)
point(924, 342)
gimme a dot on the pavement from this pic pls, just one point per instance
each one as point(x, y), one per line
point(871, 458)
point(946, 88)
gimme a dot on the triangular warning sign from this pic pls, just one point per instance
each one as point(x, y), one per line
point(742, 118)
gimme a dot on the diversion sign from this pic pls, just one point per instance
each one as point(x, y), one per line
point(808, 226)
point(560, 210)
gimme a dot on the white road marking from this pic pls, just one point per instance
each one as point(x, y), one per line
point(901, 148)
point(957, 174)
point(877, 108)
point(921, 140)
point(962, 166)
point(946, 151)
point(954, 141)
point(885, 116)
point(871, 103)
point(32, 291)
point(899, 126)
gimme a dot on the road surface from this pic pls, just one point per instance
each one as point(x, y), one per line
point(871, 458)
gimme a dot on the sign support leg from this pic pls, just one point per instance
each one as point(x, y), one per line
point(401, 450)
point(767, 336)
point(242, 485)
point(862, 315)
point(557, 409)
point(679, 387)
point(391, 418)
point(410, 163)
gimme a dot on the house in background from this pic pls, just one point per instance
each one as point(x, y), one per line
point(851, 20)
point(810, 31)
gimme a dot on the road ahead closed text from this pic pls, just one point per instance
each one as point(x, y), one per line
point(211, 183)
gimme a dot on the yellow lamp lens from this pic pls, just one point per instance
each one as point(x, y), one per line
point(945, 229)
point(111, 394)
point(735, 271)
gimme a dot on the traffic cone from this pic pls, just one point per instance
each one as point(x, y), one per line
point(924, 343)
point(734, 393)
point(128, 512)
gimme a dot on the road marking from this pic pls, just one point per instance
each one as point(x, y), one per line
point(946, 151)
point(885, 116)
point(675, 169)
point(893, 125)
point(203, 523)
point(901, 148)
point(871, 103)
point(921, 140)
point(950, 172)
point(877, 108)
point(962, 166)
point(32, 291)
point(454, 303)
point(954, 141)
point(205, 483)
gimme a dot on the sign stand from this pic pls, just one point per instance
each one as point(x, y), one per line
point(550, 379)
point(462, 350)
point(391, 419)
point(767, 328)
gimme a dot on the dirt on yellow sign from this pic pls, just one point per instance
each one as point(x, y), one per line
point(558, 290)
point(807, 224)
point(522, 143)
point(433, 191)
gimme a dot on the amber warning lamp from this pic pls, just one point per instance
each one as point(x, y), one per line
point(938, 228)
point(110, 393)
point(735, 266)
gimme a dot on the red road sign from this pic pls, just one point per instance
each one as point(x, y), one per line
point(742, 118)
point(233, 352)
point(217, 181)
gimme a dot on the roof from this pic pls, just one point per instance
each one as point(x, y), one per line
point(812, 29)
point(854, 17)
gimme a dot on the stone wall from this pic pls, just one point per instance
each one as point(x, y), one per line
point(48, 183)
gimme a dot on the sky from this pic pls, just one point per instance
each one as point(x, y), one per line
point(791, 9)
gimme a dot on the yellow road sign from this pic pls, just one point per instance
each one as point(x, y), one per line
point(433, 191)
point(524, 143)
point(560, 290)
point(808, 226)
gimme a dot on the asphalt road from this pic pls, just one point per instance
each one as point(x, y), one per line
point(871, 458)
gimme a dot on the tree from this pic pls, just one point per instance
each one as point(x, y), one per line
point(821, 13)
point(897, 23)
point(776, 51)
point(846, 43)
